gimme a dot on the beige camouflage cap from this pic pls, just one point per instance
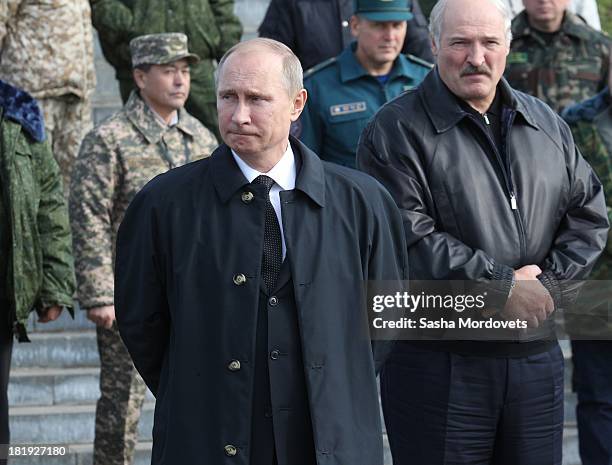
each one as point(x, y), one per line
point(160, 49)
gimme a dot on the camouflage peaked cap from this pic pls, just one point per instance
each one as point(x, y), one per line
point(160, 49)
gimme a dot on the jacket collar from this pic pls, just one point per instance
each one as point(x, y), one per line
point(227, 177)
point(351, 69)
point(572, 25)
point(143, 118)
point(20, 107)
point(445, 112)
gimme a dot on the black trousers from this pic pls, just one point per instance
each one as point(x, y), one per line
point(6, 350)
point(592, 379)
point(443, 408)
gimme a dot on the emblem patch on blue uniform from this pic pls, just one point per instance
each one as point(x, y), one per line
point(346, 108)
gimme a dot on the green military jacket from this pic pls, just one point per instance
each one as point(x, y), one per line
point(37, 258)
point(343, 96)
point(591, 125)
point(572, 68)
point(210, 25)
point(116, 160)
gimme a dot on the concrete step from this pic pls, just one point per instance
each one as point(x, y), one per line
point(57, 350)
point(44, 387)
point(82, 454)
point(64, 424)
point(55, 386)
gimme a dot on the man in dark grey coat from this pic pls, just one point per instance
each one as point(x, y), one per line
point(492, 190)
point(240, 287)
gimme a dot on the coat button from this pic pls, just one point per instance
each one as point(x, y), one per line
point(273, 301)
point(234, 365)
point(274, 354)
point(239, 279)
point(247, 197)
point(230, 450)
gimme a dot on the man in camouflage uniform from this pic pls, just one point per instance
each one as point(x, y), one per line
point(590, 326)
point(46, 48)
point(36, 266)
point(555, 56)
point(210, 25)
point(151, 134)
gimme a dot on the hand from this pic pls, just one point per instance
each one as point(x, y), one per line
point(102, 316)
point(529, 301)
point(528, 273)
point(49, 314)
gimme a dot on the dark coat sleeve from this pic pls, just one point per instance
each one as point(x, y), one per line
point(388, 261)
point(140, 299)
point(278, 24)
point(433, 254)
point(582, 235)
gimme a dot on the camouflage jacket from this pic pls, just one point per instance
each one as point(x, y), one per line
point(38, 263)
point(573, 68)
point(210, 25)
point(46, 47)
point(591, 125)
point(116, 159)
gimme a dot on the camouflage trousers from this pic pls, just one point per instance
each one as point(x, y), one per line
point(67, 120)
point(118, 409)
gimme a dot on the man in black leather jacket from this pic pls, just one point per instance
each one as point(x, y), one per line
point(319, 29)
point(492, 190)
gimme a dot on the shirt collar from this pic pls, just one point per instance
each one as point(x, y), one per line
point(445, 111)
point(173, 120)
point(283, 173)
point(151, 125)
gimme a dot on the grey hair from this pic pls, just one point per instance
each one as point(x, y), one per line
point(436, 19)
point(293, 75)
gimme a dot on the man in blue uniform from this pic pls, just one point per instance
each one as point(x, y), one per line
point(345, 91)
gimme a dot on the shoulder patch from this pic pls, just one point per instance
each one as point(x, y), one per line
point(419, 61)
point(517, 57)
point(324, 64)
point(346, 108)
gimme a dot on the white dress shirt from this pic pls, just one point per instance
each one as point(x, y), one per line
point(283, 174)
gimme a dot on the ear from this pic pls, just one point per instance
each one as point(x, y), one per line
point(140, 78)
point(354, 23)
point(297, 106)
point(434, 48)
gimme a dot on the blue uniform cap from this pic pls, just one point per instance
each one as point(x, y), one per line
point(384, 10)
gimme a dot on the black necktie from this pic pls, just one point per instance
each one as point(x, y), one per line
point(273, 246)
